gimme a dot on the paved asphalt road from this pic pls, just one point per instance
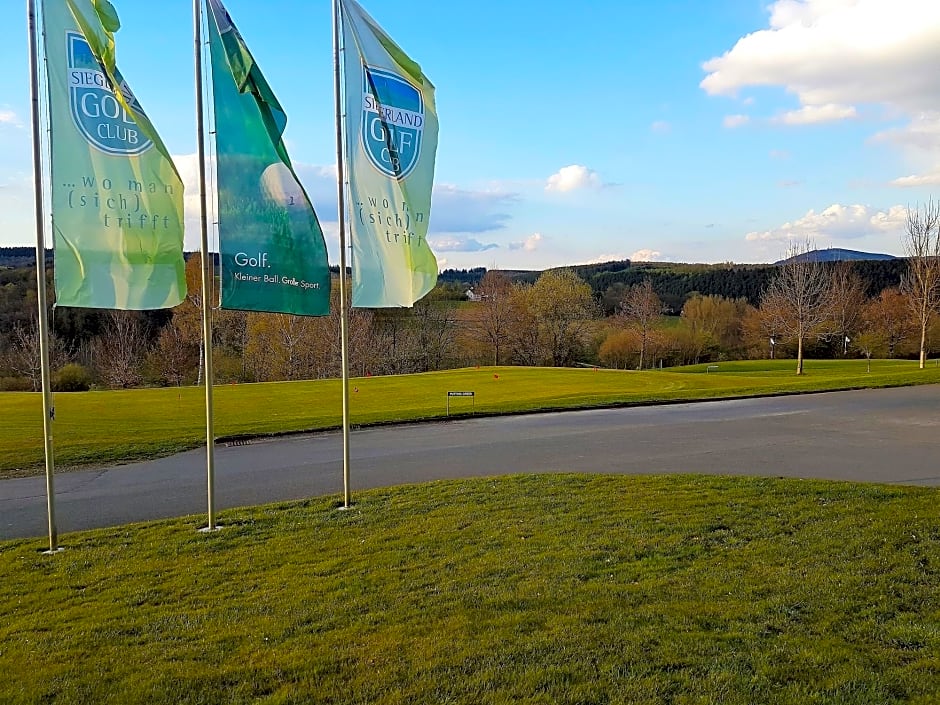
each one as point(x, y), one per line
point(889, 435)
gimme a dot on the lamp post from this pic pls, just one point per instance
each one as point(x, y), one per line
point(772, 344)
point(845, 346)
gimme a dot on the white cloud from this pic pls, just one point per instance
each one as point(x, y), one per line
point(838, 222)
point(841, 52)
point(920, 135)
point(733, 121)
point(460, 243)
point(646, 255)
point(8, 117)
point(835, 56)
point(661, 127)
point(814, 114)
point(530, 244)
point(917, 180)
point(601, 259)
point(572, 178)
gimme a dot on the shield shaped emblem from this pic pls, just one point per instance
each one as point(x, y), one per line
point(392, 122)
point(97, 114)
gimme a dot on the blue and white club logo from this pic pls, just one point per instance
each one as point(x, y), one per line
point(95, 111)
point(392, 122)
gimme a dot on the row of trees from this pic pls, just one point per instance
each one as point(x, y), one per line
point(713, 328)
point(540, 324)
point(557, 320)
point(807, 303)
point(552, 322)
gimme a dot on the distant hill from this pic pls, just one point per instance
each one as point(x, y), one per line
point(836, 254)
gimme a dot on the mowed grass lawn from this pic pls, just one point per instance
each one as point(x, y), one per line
point(537, 589)
point(116, 426)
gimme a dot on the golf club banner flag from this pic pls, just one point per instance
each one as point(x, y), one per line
point(391, 139)
point(272, 249)
point(117, 199)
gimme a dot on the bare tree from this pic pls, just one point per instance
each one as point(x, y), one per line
point(434, 330)
point(281, 346)
point(173, 356)
point(889, 317)
point(22, 355)
point(796, 303)
point(641, 307)
point(847, 299)
point(365, 355)
point(921, 283)
point(120, 350)
point(493, 314)
point(393, 334)
point(523, 334)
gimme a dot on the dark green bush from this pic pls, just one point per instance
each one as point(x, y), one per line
point(71, 378)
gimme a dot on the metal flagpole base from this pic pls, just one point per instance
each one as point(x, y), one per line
point(344, 508)
point(210, 529)
point(52, 552)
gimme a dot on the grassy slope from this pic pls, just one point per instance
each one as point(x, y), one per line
point(542, 589)
point(106, 427)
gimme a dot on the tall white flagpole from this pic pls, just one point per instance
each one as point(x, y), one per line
point(48, 411)
point(341, 202)
point(207, 271)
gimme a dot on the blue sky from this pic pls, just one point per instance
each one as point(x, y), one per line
point(679, 130)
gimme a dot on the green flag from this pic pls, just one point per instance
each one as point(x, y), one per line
point(272, 249)
point(117, 200)
point(391, 138)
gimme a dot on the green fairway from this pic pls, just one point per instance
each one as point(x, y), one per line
point(116, 426)
point(540, 589)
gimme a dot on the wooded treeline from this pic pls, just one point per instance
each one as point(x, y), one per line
point(616, 314)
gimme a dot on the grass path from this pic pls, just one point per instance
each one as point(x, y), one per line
point(117, 426)
point(540, 589)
